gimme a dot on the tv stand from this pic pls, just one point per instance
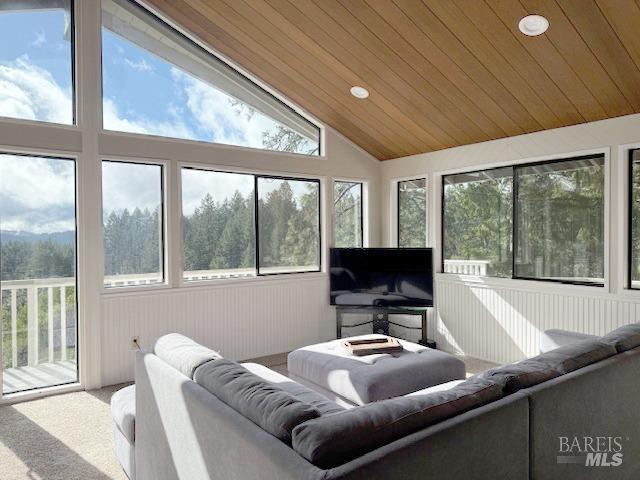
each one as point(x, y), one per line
point(380, 320)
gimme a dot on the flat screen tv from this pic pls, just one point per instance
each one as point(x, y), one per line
point(381, 277)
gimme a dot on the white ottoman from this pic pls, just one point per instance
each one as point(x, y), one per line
point(330, 368)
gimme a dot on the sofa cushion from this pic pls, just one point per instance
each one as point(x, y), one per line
point(516, 376)
point(335, 439)
point(268, 406)
point(575, 355)
point(624, 338)
point(436, 388)
point(123, 411)
point(554, 338)
point(182, 353)
point(302, 393)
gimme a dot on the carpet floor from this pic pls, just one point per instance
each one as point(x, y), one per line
point(62, 437)
point(68, 437)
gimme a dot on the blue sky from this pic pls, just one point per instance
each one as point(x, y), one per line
point(40, 36)
point(142, 94)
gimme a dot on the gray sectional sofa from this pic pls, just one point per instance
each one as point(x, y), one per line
point(198, 416)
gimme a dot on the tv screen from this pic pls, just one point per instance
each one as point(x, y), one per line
point(381, 277)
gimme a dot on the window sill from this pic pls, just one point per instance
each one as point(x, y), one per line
point(632, 294)
point(115, 290)
point(215, 283)
point(39, 123)
point(274, 277)
point(40, 393)
point(522, 284)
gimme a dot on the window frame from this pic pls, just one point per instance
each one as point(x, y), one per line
point(256, 176)
point(164, 233)
point(209, 169)
point(256, 220)
point(442, 216)
point(75, 120)
point(75, 159)
point(216, 58)
point(361, 184)
point(426, 209)
point(514, 191)
point(629, 219)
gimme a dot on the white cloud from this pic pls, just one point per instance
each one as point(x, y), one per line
point(196, 184)
point(130, 186)
point(31, 93)
point(114, 120)
point(39, 40)
point(140, 66)
point(216, 116)
point(36, 194)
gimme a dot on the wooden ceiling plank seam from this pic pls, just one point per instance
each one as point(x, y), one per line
point(579, 56)
point(422, 103)
point(549, 59)
point(437, 107)
point(407, 121)
point(329, 76)
point(309, 72)
point(456, 75)
point(389, 37)
point(305, 98)
point(503, 41)
point(624, 22)
point(434, 28)
point(553, 66)
point(299, 95)
point(627, 85)
point(495, 62)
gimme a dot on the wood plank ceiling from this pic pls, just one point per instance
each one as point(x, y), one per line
point(441, 73)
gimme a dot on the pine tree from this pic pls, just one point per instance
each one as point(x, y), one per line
point(347, 219)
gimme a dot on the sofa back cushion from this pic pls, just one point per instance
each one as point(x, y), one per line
point(335, 439)
point(575, 355)
point(182, 353)
point(516, 376)
point(271, 408)
point(624, 338)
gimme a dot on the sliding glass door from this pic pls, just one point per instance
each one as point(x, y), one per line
point(38, 323)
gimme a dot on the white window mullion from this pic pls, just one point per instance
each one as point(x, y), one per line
point(90, 251)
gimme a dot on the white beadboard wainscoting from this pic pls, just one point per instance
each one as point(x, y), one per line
point(501, 320)
point(242, 319)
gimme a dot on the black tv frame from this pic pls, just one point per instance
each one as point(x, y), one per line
point(389, 307)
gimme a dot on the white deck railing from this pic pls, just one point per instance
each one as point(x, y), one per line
point(466, 267)
point(56, 293)
point(32, 288)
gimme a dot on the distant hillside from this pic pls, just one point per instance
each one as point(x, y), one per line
point(66, 238)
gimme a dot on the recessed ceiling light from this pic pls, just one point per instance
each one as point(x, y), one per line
point(533, 25)
point(359, 92)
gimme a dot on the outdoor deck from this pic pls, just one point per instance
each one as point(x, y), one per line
point(38, 376)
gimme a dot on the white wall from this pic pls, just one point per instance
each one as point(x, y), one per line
point(499, 319)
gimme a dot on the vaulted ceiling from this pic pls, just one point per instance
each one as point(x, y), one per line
point(441, 73)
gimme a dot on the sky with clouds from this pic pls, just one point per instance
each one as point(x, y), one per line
point(36, 84)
